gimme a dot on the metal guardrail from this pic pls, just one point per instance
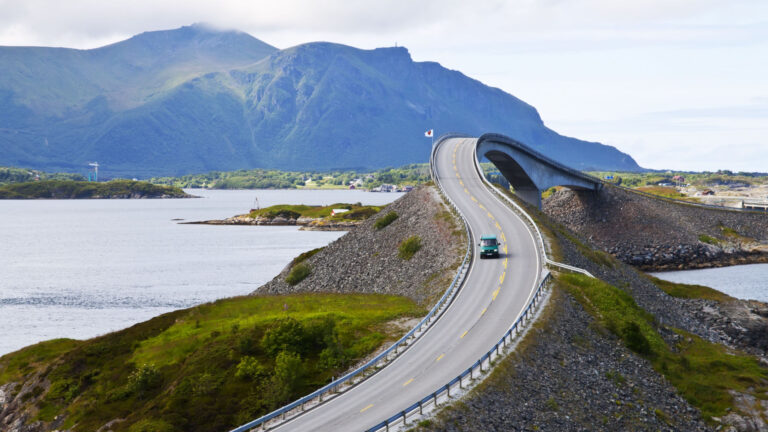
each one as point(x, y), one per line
point(381, 359)
point(677, 201)
point(497, 349)
point(531, 223)
point(485, 362)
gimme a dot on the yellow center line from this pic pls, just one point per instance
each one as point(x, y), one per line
point(363, 410)
point(498, 226)
point(464, 334)
point(483, 312)
point(505, 262)
point(482, 206)
point(457, 175)
point(407, 382)
point(495, 293)
point(440, 357)
point(505, 248)
point(466, 190)
point(502, 236)
point(501, 279)
point(473, 199)
point(490, 215)
point(461, 182)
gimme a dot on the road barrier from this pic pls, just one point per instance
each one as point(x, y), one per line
point(485, 362)
point(372, 366)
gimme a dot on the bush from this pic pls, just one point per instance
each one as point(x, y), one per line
point(385, 220)
point(298, 273)
point(287, 334)
point(409, 247)
point(249, 368)
point(144, 379)
point(635, 339)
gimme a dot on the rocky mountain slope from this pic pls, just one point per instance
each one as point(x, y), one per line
point(655, 234)
point(197, 99)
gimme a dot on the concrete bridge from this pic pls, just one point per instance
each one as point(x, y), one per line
point(528, 171)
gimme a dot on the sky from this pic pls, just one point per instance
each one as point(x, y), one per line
point(677, 84)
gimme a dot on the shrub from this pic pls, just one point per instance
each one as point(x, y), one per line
point(409, 247)
point(289, 370)
point(707, 239)
point(635, 339)
point(287, 334)
point(249, 368)
point(385, 220)
point(298, 273)
point(144, 379)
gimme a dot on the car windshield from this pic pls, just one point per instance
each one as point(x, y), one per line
point(488, 242)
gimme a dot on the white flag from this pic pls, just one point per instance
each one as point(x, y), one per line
point(429, 133)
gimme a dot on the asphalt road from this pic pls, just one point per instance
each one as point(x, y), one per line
point(494, 294)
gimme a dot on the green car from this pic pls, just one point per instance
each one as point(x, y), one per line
point(489, 247)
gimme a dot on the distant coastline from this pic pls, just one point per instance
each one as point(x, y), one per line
point(70, 189)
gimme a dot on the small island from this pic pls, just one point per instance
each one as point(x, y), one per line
point(71, 189)
point(334, 217)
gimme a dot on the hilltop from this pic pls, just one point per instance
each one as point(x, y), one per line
point(197, 99)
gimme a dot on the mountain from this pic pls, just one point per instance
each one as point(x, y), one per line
point(198, 99)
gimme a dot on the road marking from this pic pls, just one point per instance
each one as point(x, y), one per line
point(490, 215)
point(482, 206)
point(505, 248)
point(505, 262)
point(501, 279)
point(363, 410)
point(461, 182)
point(473, 199)
point(457, 175)
point(502, 236)
point(483, 312)
point(466, 190)
point(498, 226)
point(440, 357)
point(464, 334)
point(495, 293)
point(407, 382)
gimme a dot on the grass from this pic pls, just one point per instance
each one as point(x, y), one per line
point(210, 367)
point(298, 273)
point(709, 239)
point(663, 191)
point(385, 220)
point(704, 373)
point(294, 211)
point(409, 247)
point(690, 291)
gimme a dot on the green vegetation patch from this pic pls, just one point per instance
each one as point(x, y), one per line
point(385, 220)
point(709, 240)
point(294, 211)
point(68, 189)
point(690, 291)
point(210, 367)
point(412, 174)
point(409, 247)
point(298, 273)
point(703, 372)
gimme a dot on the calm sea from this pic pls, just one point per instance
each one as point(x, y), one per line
point(81, 268)
point(748, 282)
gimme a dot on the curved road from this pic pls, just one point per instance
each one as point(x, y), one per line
point(495, 292)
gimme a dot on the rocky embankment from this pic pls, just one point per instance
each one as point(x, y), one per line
point(306, 223)
point(655, 234)
point(571, 374)
point(366, 259)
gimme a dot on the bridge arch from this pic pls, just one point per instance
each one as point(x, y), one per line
point(528, 171)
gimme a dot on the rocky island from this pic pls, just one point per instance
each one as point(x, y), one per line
point(334, 217)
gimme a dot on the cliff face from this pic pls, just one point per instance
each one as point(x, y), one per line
point(366, 259)
point(653, 234)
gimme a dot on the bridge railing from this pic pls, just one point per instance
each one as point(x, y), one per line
point(347, 381)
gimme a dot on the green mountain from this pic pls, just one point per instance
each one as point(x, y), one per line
point(197, 99)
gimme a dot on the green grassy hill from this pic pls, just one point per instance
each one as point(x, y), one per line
point(70, 189)
point(207, 368)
